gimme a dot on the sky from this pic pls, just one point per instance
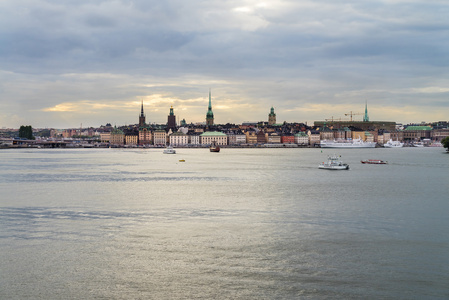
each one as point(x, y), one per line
point(72, 63)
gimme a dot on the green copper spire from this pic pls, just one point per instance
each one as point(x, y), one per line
point(171, 111)
point(365, 117)
point(209, 114)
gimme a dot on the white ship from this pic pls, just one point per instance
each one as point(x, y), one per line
point(355, 143)
point(393, 144)
point(169, 150)
point(333, 163)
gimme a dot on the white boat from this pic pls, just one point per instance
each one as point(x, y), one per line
point(333, 163)
point(169, 150)
point(355, 143)
point(393, 144)
point(418, 144)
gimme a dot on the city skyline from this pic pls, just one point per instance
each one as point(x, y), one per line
point(95, 62)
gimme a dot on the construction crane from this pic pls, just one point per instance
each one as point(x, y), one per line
point(353, 114)
point(332, 119)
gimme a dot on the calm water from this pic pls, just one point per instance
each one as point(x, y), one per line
point(239, 224)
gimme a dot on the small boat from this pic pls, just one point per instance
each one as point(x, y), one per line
point(214, 147)
point(182, 160)
point(374, 161)
point(393, 144)
point(333, 163)
point(169, 150)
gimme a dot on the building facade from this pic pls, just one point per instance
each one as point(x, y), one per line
point(178, 139)
point(216, 137)
point(159, 138)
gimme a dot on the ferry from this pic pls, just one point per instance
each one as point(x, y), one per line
point(333, 163)
point(374, 161)
point(355, 143)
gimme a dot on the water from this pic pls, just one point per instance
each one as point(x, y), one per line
point(239, 224)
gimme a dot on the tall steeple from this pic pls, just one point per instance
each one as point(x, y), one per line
point(141, 117)
point(171, 121)
point(365, 117)
point(210, 114)
point(271, 117)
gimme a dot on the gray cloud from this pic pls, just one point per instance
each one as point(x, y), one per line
point(289, 54)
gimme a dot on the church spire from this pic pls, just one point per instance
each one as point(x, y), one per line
point(141, 110)
point(365, 117)
point(141, 117)
point(210, 114)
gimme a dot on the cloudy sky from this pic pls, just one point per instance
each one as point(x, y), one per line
point(64, 63)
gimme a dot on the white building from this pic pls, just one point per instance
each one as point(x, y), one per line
point(194, 139)
point(216, 137)
point(160, 137)
point(178, 139)
point(301, 138)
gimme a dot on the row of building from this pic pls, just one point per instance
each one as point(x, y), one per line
point(265, 132)
point(236, 136)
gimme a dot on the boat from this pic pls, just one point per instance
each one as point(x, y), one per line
point(214, 147)
point(333, 163)
point(182, 160)
point(354, 143)
point(393, 144)
point(374, 161)
point(169, 150)
point(418, 144)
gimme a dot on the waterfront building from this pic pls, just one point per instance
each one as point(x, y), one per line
point(105, 137)
point(301, 138)
point(326, 133)
point(287, 139)
point(171, 122)
point(216, 137)
point(209, 114)
point(194, 138)
point(314, 137)
point(417, 133)
point(396, 135)
point(262, 137)
point(144, 135)
point(236, 137)
point(271, 117)
point(131, 139)
point(439, 134)
point(251, 137)
point(178, 139)
point(159, 137)
point(273, 138)
point(117, 137)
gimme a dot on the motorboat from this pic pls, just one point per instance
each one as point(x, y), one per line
point(214, 147)
point(393, 144)
point(333, 163)
point(169, 150)
point(374, 161)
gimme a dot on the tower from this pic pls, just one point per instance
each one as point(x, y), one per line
point(210, 114)
point(141, 117)
point(365, 117)
point(171, 122)
point(271, 117)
